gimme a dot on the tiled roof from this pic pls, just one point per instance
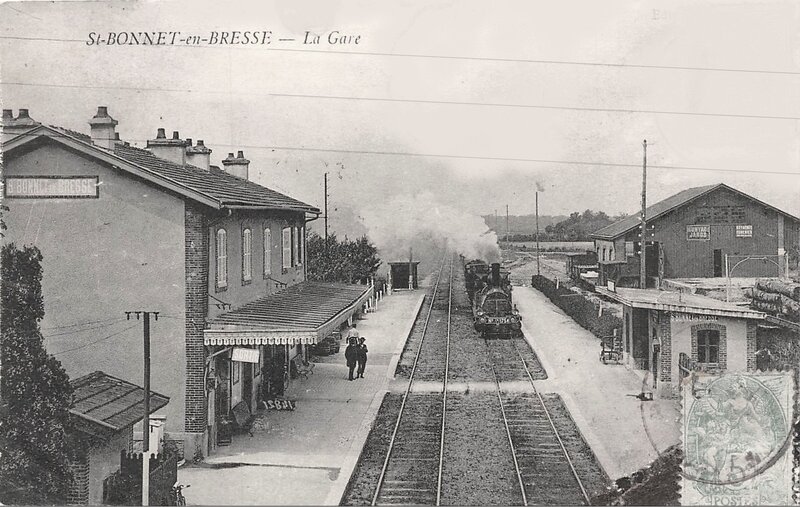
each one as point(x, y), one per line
point(77, 135)
point(306, 305)
point(658, 209)
point(224, 187)
point(106, 404)
point(626, 224)
point(215, 184)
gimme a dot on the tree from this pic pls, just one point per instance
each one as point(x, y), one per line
point(35, 394)
point(341, 261)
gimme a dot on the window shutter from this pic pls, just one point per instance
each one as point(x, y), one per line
point(287, 247)
point(267, 251)
point(247, 264)
point(222, 259)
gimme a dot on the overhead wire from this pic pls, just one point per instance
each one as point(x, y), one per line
point(229, 47)
point(61, 352)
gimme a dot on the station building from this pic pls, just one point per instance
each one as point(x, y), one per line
point(667, 335)
point(220, 257)
point(702, 232)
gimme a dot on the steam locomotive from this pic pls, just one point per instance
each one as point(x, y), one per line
point(494, 314)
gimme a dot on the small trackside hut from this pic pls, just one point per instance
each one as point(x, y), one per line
point(403, 275)
point(667, 335)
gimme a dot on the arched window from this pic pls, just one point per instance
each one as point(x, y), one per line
point(222, 258)
point(267, 251)
point(247, 264)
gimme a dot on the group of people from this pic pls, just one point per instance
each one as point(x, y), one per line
point(356, 353)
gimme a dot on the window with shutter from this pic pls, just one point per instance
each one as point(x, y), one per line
point(286, 243)
point(267, 252)
point(247, 264)
point(222, 258)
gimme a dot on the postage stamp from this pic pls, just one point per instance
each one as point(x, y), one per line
point(736, 434)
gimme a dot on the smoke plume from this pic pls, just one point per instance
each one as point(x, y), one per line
point(422, 224)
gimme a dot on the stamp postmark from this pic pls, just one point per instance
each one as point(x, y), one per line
point(736, 434)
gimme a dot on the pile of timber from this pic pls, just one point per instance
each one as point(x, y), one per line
point(778, 298)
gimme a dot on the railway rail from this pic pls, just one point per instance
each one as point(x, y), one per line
point(412, 469)
point(544, 468)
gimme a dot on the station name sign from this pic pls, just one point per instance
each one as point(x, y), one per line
point(698, 232)
point(52, 187)
point(692, 317)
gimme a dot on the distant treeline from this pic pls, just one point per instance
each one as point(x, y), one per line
point(576, 227)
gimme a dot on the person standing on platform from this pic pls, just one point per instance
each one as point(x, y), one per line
point(351, 356)
point(362, 357)
point(352, 333)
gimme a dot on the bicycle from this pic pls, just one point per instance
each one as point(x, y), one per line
point(177, 492)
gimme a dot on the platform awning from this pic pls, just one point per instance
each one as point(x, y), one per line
point(304, 313)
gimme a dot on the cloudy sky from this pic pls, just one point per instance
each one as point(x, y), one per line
point(461, 105)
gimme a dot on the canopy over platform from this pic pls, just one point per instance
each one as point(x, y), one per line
point(304, 313)
point(655, 299)
point(104, 405)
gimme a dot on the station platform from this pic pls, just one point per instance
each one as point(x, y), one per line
point(626, 434)
point(306, 456)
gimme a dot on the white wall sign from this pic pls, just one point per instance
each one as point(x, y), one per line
point(689, 317)
point(698, 232)
point(52, 187)
point(245, 355)
point(744, 231)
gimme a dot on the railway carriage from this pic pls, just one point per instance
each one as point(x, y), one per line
point(493, 311)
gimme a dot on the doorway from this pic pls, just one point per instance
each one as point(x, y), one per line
point(717, 263)
point(247, 385)
point(654, 364)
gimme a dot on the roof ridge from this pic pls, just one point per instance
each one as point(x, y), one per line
point(215, 188)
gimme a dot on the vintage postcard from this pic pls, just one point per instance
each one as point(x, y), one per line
point(431, 252)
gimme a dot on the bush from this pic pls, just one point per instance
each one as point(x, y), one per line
point(35, 391)
point(577, 306)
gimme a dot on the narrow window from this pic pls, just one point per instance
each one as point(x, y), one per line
point(708, 346)
point(267, 252)
point(296, 246)
point(222, 259)
point(286, 243)
point(247, 264)
point(301, 245)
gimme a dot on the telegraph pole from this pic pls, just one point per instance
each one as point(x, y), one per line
point(643, 253)
point(506, 223)
point(326, 213)
point(538, 261)
point(146, 419)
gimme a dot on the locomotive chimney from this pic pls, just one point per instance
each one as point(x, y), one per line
point(495, 274)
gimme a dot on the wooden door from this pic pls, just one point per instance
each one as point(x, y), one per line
point(717, 263)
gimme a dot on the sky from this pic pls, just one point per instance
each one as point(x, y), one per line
point(463, 107)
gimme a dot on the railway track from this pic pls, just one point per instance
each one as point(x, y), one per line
point(412, 470)
point(544, 468)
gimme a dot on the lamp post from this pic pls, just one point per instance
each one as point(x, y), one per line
point(728, 271)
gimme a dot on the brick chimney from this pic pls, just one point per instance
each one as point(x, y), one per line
point(238, 165)
point(173, 149)
point(14, 126)
point(103, 129)
point(198, 155)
